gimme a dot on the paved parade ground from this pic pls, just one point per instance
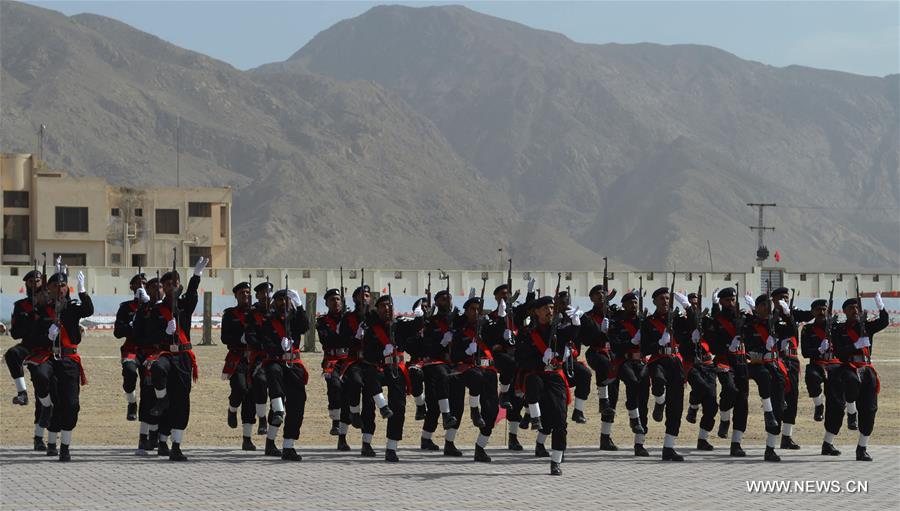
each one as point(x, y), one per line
point(225, 479)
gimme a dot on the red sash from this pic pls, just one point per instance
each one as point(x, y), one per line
point(619, 360)
point(854, 336)
point(235, 355)
point(384, 339)
point(661, 329)
point(764, 334)
point(820, 333)
point(597, 317)
point(182, 339)
point(41, 355)
point(473, 360)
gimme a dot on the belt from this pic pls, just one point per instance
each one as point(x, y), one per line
point(860, 358)
point(632, 355)
point(175, 348)
point(484, 362)
point(66, 351)
point(668, 350)
point(791, 352)
point(761, 358)
point(336, 352)
point(290, 356)
point(705, 358)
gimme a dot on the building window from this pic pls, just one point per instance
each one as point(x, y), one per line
point(195, 253)
point(73, 259)
point(138, 211)
point(166, 221)
point(115, 258)
point(305, 274)
point(840, 277)
point(114, 212)
point(16, 235)
point(138, 260)
point(223, 221)
point(200, 209)
point(14, 271)
point(70, 219)
point(568, 275)
point(12, 199)
point(397, 274)
point(876, 278)
point(802, 277)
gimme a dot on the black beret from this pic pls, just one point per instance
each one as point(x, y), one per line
point(139, 276)
point(384, 299)
point(728, 292)
point(332, 292)
point(628, 297)
point(281, 293)
point(263, 286)
point(442, 292)
point(170, 275)
point(474, 300)
point(761, 299)
point(542, 301)
point(691, 295)
point(780, 291)
point(240, 286)
point(596, 289)
point(60, 278)
point(153, 281)
point(819, 303)
point(848, 302)
point(33, 274)
point(660, 291)
point(500, 289)
point(563, 294)
point(361, 289)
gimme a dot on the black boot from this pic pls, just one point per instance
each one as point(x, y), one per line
point(723, 429)
point(480, 455)
point(421, 412)
point(770, 420)
point(247, 444)
point(477, 420)
point(736, 450)
point(131, 412)
point(46, 415)
point(536, 424)
point(161, 405)
point(152, 439)
point(271, 448)
point(704, 445)
point(578, 417)
point(367, 450)
point(525, 423)
point(771, 455)
point(658, 411)
point(788, 443)
point(819, 413)
point(277, 419)
point(342, 445)
point(65, 456)
point(162, 449)
point(540, 451)
point(263, 427)
point(386, 412)
point(640, 451)
point(21, 398)
point(427, 444)
point(505, 402)
point(175, 454)
point(513, 443)
point(335, 428)
point(390, 456)
point(555, 469)
point(607, 444)
point(51, 449)
point(39, 444)
point(862, 454)
point(356, 420)
point(669, 454)
point(232, 419)
point(852, 423)
point(451, 450)
point(142, 445)
point(290, 454)
point(691, 415)
point(829, 450)
point(449, 421)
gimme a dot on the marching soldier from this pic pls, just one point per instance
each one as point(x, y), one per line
point(144, 341)
point(123, 329)
point(788, 352)
point(823, 371)
point(581, 373)
point(237, 369)
point(630, 367)
point(333, 361)
point(594, 334)
point(259, 314)
point(353, 330)
point(54, 356)
point(433, 352)
point(21, 321)
point(853, 345)
point(701, 374)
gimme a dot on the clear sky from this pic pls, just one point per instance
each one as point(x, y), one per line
point(855, 36)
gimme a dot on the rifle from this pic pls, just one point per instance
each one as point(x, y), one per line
point(363, 310)
point(483, 284)
point(267, 304)
point(392, 335)
point(429, 308)
point(670, 314)
point(830, 317)
point(793, 294)
point(175, 298)
point(343, 302)
point(605, 294)
point(288, 306)
point(862, 317)
point(640, 313)
point(510, 322)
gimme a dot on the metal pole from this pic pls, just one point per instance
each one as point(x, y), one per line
point(309, 340)
point(207, 319)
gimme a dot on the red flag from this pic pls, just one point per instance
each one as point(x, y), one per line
point(777, 256)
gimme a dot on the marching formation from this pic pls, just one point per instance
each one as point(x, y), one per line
point(460, 365)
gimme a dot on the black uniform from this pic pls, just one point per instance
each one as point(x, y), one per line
point(21, 321)
point(734, 379)
point(235, 321)
point(629, 366)
point(477, 372)
point(334, 359)
point(766, 368)
point(823, 371)
point(664, 365)
point(701, 372)
point(131, 359)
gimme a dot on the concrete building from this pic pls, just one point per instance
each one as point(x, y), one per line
point(91, 223)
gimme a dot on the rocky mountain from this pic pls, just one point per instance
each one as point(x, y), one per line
point(430, 137)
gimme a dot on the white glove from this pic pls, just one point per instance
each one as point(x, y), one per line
point(715, 296)
point(604, 325)
point(749, 301)
point(243, 339)
point(80, 280)
point(501, 309)
point(770, 343)
point(784, 307)
point(53, 332)
point(418, 312)
point(471, 348)
point(786, 344)
point(65, 270)
point(879, 303)
point(636, 340)
point(198, 268)
point(360, 332)
point(58, 264)
point(695, 335)
point(295, 297)
point(141, 295)
point(286, 344)
point(507, 335)
point(682, 300)
point(574, 315)
point(531, 286)
point(735, 344)
point(567, 353)
point(445, 340)
point(170, 327)
point(823, 346)
point(388, 349)
point(664, 339)
point(548, 355)
point(862, 342)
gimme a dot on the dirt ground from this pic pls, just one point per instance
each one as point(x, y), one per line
point(102, 419)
